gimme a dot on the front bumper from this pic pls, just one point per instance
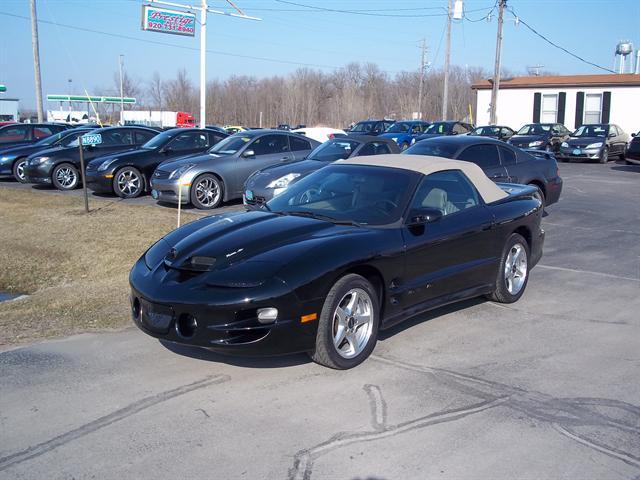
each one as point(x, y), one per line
point(99, 182)
point(40, 174)
point(167, 191)
point(579, 153)
point(225, 318)
point(258, 196)
point(6, 166)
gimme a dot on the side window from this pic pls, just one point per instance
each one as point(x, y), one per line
point(506, 131)
point(485, 156)
point(42, 131)
point(215, 138)
point(189, 141)
point(448, 191)
point(269, 144)
point(374, 148)
point(416, 129)
point(299, 144)
point(143, 136)
point(118, 137)
point(459, 128)
point(14, 134)
point(508, 156)
point(614, 129)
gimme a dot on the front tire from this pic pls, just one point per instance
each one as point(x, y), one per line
point(604, 156)
point(18, 170)
point(348, 324)
point(65, 177)
point(206, 192)
point(513, 273)
point(128, 182)
point(404, 146)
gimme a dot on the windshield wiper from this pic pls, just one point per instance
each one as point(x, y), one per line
point(326, 218)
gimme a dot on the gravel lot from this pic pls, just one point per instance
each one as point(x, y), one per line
point(548, 387)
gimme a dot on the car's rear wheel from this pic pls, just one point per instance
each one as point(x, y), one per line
point(206, 192)
point(513, 273)
point(65, 177)
point(539, 194)
point(18, 170)
point(348, 324)
point(128, 182)
point(604, 156)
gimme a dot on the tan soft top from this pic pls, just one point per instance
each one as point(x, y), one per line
point(427, 164)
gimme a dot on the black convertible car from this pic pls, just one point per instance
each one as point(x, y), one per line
point(355, 247)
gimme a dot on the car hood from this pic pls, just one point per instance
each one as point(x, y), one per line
point(518, 139)
point(265, 176)
point(575, 141)
point(239, 249)
point(52, 152)
point(18, 150)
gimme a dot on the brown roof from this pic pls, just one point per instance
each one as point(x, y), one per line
point(606, 80)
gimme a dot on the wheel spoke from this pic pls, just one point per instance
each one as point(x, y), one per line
point(353, 303)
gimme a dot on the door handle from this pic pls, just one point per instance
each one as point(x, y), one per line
point(285, 158)
point(497, 175)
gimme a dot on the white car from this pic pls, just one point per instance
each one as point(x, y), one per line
point(320, 134)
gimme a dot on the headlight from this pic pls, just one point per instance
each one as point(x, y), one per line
point(564, 145)
point(106, 164)
point(39, 160)
point(283, 182)
point(177, 173)
point(537, 143)
point(5, 159)
point(595, 145)
point(395, 139)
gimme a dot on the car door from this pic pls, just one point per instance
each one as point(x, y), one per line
point(262, 152)
point(618, 140)
point(486, 156)
point(454, 253)
point(299, 147)
point(143, 136)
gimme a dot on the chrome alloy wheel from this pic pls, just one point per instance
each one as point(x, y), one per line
point(66, 176)
point(515, 268)
point(352, 323)
point(207, 192)
point(128, 182)
point(20, 170)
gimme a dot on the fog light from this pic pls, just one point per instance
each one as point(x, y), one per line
point(136, 308)
point(267, 315)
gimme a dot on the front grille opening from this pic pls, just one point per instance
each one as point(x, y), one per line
point(186, 325)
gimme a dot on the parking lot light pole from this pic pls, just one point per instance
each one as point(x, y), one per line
point(447, 60)
point(495, 88)
point(35, 43)
point(121, 91)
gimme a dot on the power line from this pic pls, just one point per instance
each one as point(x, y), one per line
point(369, 13)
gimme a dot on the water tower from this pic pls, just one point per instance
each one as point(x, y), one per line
point(623, 50)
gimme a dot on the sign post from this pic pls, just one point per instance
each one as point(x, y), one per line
point(88, 139)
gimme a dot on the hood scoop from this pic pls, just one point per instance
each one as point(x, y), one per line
point(196, 263)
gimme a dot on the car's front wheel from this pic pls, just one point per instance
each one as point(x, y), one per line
point(128, 182)
point(604, 156)
point(18, 170)
point(206, 192)
point(65, 177)
point(404, 146)
point(348, 324)
point(513, 273)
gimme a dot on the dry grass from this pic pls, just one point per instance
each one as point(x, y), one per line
point(74, 267)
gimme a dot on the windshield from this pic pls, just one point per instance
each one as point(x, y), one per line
point(363, 127)
point(399, 127)
point(437, 128)
point(333, 150)
point(51, 139)
point(591, 131)
point(364, 195)
point(158, 141)
point(486, 131)
point(230, 145)
point(434, 147)
point(536, 129)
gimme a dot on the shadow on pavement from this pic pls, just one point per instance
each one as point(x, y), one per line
point(627, 168)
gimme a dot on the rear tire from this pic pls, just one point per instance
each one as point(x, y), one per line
point(206, 192)
point(128, 182)
point(348, 324)
point(18, 169)
point(65, 177)
point(513, 272)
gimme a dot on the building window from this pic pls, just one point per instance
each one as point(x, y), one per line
point(549, 108)
point(593, 108)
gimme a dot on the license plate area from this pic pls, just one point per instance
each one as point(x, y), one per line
point(155, 317)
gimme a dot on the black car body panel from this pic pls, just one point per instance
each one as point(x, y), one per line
point(540, 136)
point(633, 152)
point(499, 132)
point(501, 162)
point(215, 273)
point(122, 139)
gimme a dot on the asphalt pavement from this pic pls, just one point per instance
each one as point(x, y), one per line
point(546, 388)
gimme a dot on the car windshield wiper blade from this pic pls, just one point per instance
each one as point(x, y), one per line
point(319, 216)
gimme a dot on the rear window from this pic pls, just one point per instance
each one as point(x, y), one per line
point(432, 147)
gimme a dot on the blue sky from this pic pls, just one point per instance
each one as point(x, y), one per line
point(289, 33)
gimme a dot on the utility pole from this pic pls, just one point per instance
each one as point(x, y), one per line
point(422, 69)
point(203, 61)
point(447, 58)
point(121, 62)
point(36, 60)
point(496, 71)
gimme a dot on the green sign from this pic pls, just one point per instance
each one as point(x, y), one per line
point(85, 98)
point(168, 21)
point(3, 88)
point(91, 139)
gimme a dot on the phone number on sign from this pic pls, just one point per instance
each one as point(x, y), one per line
point(161, 26)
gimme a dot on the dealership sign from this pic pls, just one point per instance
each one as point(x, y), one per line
point(168, 21)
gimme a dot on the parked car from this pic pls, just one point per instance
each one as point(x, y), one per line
point(207, 180)
point(320, 134)
point(264, 184)
point(405, 132)
point(499, 132)
point(352, 249)
point(127, 174)
point(540, 136)
point(633, 152)
point(439, 129)
point(12, 160)
point(594, 142)
point(231, 129)
point(60, 166)
point(370, 127)
point(284, 126)
point(25, 133)
point(499, 161)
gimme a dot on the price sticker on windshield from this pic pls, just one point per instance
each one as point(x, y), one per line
point(92, 139)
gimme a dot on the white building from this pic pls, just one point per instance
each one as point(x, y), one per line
point(572, 100)
point(9, 109)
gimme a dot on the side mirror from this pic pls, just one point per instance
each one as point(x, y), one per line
point(248, 153)
point(611, 134)
point(633, 134)
point(454, 133)
point(422, 216)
